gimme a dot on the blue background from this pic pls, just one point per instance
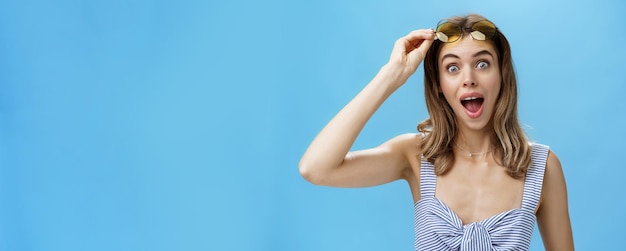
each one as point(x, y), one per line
point(178, 125)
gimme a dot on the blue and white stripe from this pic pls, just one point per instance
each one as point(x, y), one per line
point(437, 227)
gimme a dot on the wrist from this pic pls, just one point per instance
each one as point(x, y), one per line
point(394, 74)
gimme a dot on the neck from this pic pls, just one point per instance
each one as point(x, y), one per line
point(475, 142)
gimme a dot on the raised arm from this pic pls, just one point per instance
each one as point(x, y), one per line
point(553, 213)
point(327, 161)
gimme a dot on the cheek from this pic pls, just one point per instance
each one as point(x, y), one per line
point(496, 84)
point(493, 86)
point(448, 90)
point(491, 81)
point(496, 79)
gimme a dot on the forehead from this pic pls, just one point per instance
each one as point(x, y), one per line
point(466, 48)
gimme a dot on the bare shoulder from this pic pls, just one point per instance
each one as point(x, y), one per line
point(407, 141)
point(553, 212)
point(553, 178)
point(554, 170)
point(408, 145)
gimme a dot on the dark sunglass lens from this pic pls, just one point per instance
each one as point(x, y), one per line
point(485, 27)
point(448, 32)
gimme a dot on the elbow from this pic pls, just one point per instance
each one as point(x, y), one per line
point(310, 173)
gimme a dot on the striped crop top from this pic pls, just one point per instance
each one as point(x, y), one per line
point(437, 227)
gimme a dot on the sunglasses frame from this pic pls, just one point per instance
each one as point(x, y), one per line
point(473, 32)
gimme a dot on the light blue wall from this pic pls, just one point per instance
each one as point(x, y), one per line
point(178, 125)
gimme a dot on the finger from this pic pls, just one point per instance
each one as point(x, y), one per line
point(413, 40)
point(419, 53)
point(408, 45)
point(415, 37)
point(424, 46)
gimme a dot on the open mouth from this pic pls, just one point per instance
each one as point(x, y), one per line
point(472, 104)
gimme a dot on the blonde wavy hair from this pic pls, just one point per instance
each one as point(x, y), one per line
point(511, 149)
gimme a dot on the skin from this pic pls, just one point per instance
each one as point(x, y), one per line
point(476, 187)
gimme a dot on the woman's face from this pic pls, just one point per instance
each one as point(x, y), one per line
point(469, 78)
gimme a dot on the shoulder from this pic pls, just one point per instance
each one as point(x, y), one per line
point(553, 161)
point(542, 152)
point(409, 137)
point(554, 170)
point(538, 147)
point(553, 179)
point(553, 212)
point(407, 143)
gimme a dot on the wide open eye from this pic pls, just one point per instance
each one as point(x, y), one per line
point(482, 65)
point(453, 68)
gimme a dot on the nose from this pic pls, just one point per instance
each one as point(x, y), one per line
point(471, 83)
point(468, 79)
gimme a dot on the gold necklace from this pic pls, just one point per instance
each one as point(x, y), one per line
point(471, 154)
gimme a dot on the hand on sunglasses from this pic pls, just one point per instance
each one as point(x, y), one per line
point(409, 51)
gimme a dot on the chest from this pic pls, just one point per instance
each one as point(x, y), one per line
point(476, 193)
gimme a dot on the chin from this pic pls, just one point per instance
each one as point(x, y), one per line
point(477, 124)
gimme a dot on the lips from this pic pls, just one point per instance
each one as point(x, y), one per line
point(472, 104)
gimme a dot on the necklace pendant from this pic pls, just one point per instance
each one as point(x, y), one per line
point(471, 155)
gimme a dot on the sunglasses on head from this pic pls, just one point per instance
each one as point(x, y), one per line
point(449, 32)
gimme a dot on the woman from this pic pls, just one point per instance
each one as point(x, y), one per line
point(477, 182)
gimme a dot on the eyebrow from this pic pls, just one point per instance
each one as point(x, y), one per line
point(483, 52)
